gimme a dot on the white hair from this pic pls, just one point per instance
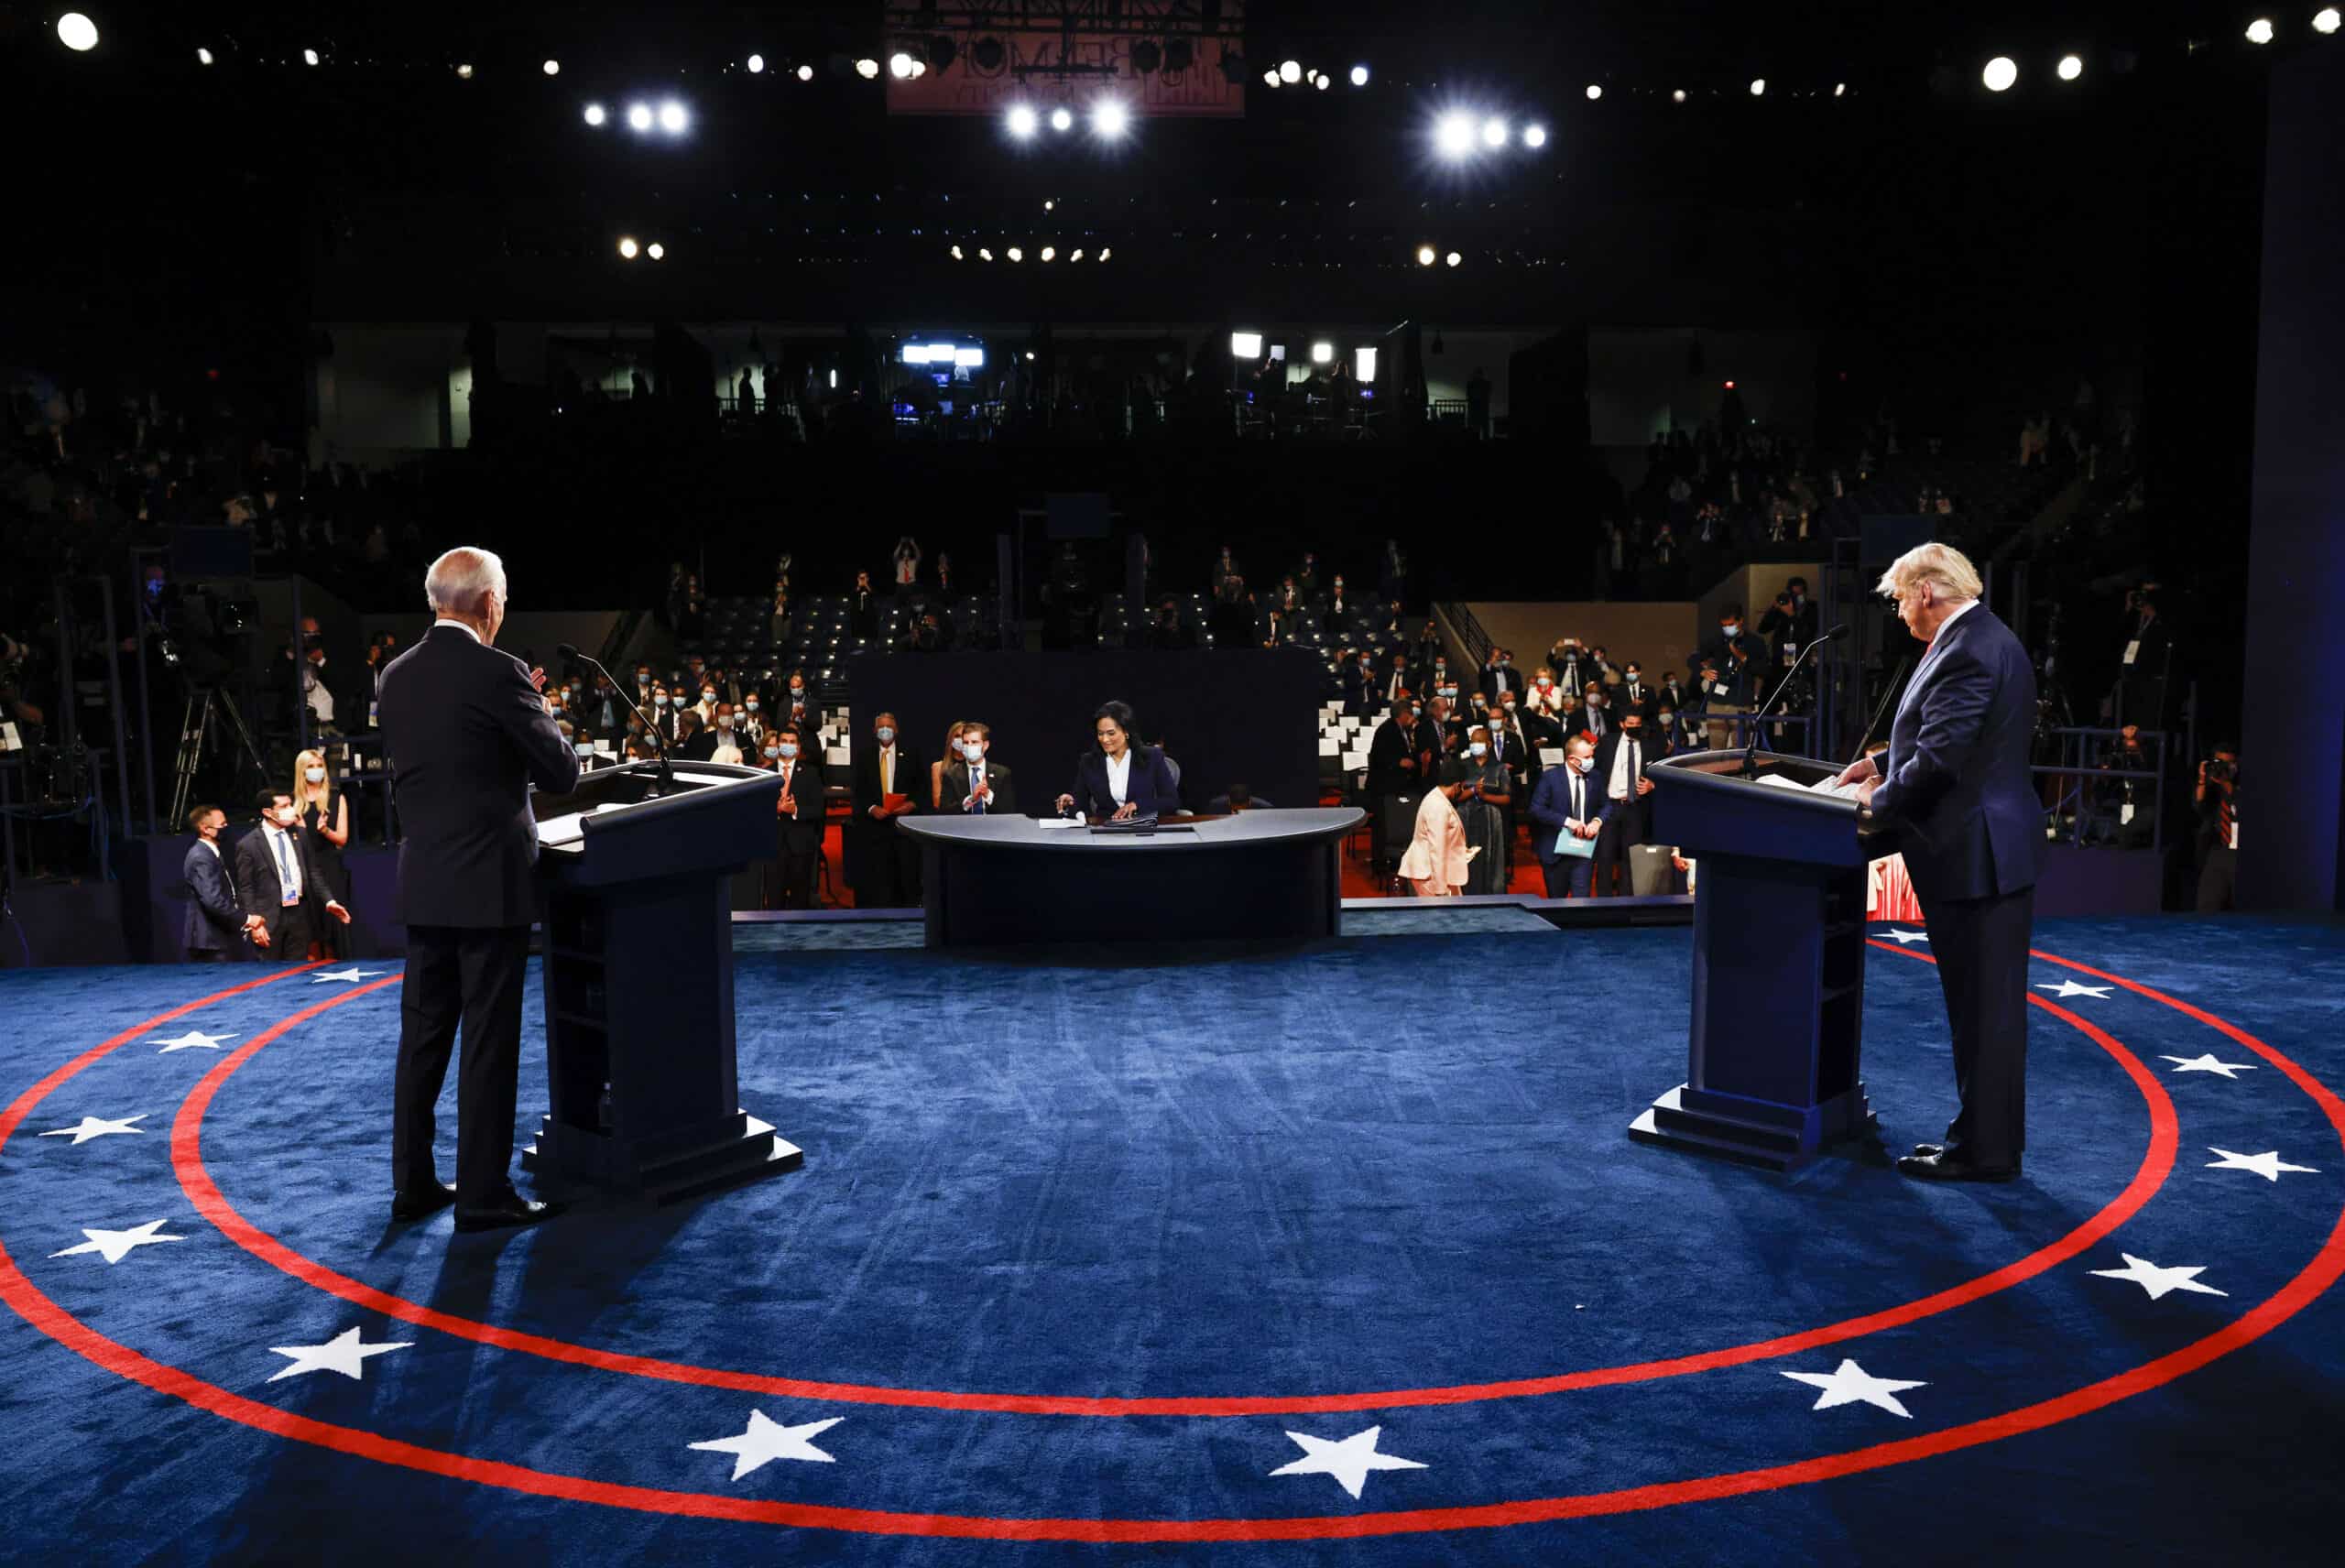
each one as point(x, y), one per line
point(1942, 565)
point(455, 581)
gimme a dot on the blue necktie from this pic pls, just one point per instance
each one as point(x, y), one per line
point(978, 782)
point(285, 869)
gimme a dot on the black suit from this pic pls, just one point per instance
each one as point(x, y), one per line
point(215, 928)
point(798, 838)
point(260, 887)
point(1388, 779)
point(1626, 824)
point(886, 862)
point(998, 779)
point(467, 735)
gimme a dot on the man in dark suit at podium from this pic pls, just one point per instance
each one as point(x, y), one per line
point(467, 733)
point(1954, 787)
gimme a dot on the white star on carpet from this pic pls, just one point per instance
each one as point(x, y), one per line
point(2068, 988)
point(345, 1353)
point(762, 1442)
point(1349, 1461)
point(98, 1126)
point(194, 1039)
point(115, 1246)
point(1850, 1384)
point(1906, 938)
point(2267, 1165)
point(323, 976)
point(2158, 1281)
point(2208, 1064)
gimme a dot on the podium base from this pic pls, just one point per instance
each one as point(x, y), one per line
point(727, 1152)
point(1753, 1132)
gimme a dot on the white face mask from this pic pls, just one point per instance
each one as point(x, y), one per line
point(1479, 749)
point(753, 705)
point(287, 817)
point(775, 750)
point(1583, 763)
point(973, 749)
point(314, 774)
point(787, 748)
point(885, 734)
point(724, 721)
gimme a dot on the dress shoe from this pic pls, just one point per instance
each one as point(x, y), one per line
point(424, 1202)
point(1939, 1168)
point(1929, 1150)
point(512, 1209)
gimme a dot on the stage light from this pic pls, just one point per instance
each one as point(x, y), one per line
point(638, 116)
point(1030, 353)
point(919, 68)
point(1452, 134)
point(1364, 364)
point(899, 66)
point(551, 68)
point(309, 56)
point(957, 253)
point(673, 119)
point(1594, 91)
point(1758, 87)
point(1270, 77)
point(1323, 81)
point(203, 57)
point(1076, 255)
point(656, 251)
point(1050, 204)
point(2001, 72)
point(806, 73)
point(1021, 121)
point(1729, 385)
point(2326, 19)
point(1290, 71)
point(939, 354)
point(757, 63)
point(1050, 253)
point(868, 69)
point(914, 353)
point(1454, 258)
point(2259, 31)
point(1246, 346)
point(77, 32)
point(1494, 132)
point(984, 254)
point(465, 72)
point(626, 247)
point(1109, 119)
point(1321, 353)
point(1061, 118)
point(1104, 253)
point(1015, 253)
point(1534, 136)
point(2071, 67)
point(1359, 76)
point(594, 115)
point(969, 358)
point(1426, 256)
point(1678, 96)
point(1839, 90)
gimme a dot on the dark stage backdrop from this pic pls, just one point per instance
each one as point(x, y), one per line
point(1224, 716)
point(2290, 853)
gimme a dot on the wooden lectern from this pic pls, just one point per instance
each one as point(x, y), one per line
point(639, 980)
point(1779, 960)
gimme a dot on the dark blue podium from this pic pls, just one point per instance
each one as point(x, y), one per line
point(1772, 1070)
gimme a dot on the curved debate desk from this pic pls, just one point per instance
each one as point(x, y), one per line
point(995, 880)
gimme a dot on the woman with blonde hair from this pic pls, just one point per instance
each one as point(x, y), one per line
point(325, 824)
point(950, 754)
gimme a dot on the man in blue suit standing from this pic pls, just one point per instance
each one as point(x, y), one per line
point(1955, 788)
point(216, 923)
point(1569, 800)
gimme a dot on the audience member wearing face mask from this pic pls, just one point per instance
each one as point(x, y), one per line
point(974, 784)
point(890, 781)
point(798, 818)
point(1568, 807)
point(277, 879)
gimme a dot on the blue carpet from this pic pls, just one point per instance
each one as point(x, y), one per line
point(1300, 1189)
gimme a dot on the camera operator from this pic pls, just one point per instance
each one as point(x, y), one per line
point(2217, 797)
point(2143, 660)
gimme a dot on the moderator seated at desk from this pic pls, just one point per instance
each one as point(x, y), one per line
point(1122, 779)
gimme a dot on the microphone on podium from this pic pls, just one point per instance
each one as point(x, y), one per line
point(1750, 751)
point(659, 741)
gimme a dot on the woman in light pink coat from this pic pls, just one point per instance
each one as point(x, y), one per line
point(1436, 862)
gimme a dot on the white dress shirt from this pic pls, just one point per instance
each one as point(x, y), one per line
point(969, 803)
point(285, 853)
point(445, 621)
point(1119, 777)
point(1628, 765)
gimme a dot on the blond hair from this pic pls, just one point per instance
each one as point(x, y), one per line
point(1941, 565)
point(304, 790)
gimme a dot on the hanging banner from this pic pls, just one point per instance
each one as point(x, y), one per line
point(1024, 76)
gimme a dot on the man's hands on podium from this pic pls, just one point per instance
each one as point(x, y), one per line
point(1865, 774)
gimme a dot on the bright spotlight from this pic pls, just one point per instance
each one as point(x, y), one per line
point(1109, 119)
point(984, 254)
point(1050, 253)
point(1104, 253)
point(957, 253)
point(1061, 118)
point(594, 115)
point(1534, 136)
point(80, 34)
point(1359, 76)
point(1076, 255)
point(1454, 259)
point(1494, 132)
point(1595, 91)
point(1364, 364)
point(465, 72)
point(553, 68)
point(203, 57)
point(627, 247)
point(1426, 256)
point(638, 116)
point(899, 66)
point(1246, 346)
point(1015, 253)
point(2259, 31)
point(2326, 19)
point(1678, 96)
point(2001, 72)
point(1290, 71)
point(806, 73)
point(868, 69)
point(309, 56)
point(1270, 77)
point(656, 251)
point(1323, 81)
point(1323, 352)
point(1022, 121)
point(757, 63)
point(673, 119)
point(1758, 87)
point(1050, 204)
point(1839, 90)
point(2071, 67)
point(1452, 134)
point(919, 68)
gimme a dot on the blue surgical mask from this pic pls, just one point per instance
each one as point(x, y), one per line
point(787, 748)
point(1729, 629)
point(659, 702)
point(885, 734)
point(1478, 748)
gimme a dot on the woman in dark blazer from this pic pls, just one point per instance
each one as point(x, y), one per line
point(1121, 778)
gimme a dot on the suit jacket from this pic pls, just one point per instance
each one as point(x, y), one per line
point(911, 777)
point(1150, 788)
point(1956, 785)
point(1551, 807)
point(1385, 750)
point(215, 921)
point(1608, 753)
point(1490, 681)
point(802, 834)
point(260, 885)
point(957, 788)
point(467, 735)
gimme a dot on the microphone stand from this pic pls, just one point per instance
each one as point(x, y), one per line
point(1887, 696)
point(1750, 750)
point(667, 783)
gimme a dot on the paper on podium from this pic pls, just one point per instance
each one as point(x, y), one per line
point(1058, 822)
point(556, 831)
point(1821, 787)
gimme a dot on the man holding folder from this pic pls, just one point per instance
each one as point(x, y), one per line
point(1567, 814)
point(888, 774)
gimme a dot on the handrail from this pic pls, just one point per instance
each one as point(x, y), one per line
point(1470, 631)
